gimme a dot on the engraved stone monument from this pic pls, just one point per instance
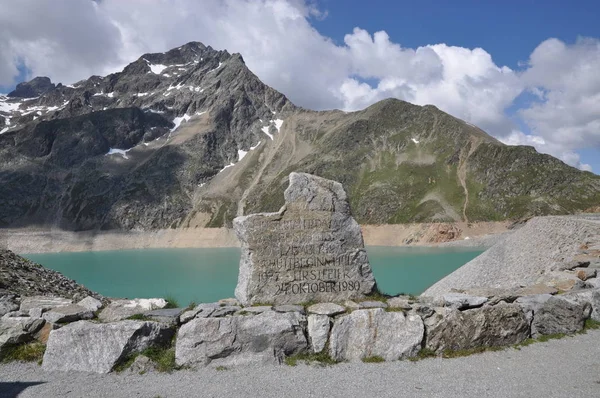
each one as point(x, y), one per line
point(311, 250)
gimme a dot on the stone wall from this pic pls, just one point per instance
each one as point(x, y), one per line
point(84, 336)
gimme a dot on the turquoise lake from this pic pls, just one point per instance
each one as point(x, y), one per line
point(205, 275)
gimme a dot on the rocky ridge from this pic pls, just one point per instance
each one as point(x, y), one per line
point(19, 276)
point(192, 138)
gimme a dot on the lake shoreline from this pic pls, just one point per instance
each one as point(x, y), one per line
point(31, 240)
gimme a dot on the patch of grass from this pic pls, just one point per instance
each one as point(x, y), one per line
point(30, 352)
point(423, 354)
point(320, 357)
point(243, 313)
point(378, 296)
point(139, 317)
point(549, 337)
point(171, 302)
point(261, 305)
point(221, 368)
point(591, 324)
point(163, 356)
point(373, 359)
point(191, 306)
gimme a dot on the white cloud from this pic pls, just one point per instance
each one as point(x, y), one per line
point(70, 40)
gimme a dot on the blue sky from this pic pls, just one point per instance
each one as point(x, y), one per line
point(549, 96)
point(508, 30)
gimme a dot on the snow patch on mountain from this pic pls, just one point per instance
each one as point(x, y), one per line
point(116, 151)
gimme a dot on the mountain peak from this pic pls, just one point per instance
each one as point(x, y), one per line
point(33, 88)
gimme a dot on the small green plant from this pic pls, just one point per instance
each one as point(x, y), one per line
point(373, 359)
point(163, 357)
point(320, 357)
point(171, 302)
point(191, 306)
point(423, 354)
point(591, 324)
point(243, 313)
point(221, 368)
point(31, 352)
point(378, 296)
point(139, 317)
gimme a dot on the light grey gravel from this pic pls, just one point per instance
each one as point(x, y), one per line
point(537, 248)
point(569, 367)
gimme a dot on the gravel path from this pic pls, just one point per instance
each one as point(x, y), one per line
point(569, 367)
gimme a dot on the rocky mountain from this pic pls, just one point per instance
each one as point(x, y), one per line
point(192, 137)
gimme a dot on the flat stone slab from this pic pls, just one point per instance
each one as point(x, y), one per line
point(372, 304)
point(165, 315)
point(123, 309)
point(463, 301)
point(399, 302)
point(43, 302)
point(311, 250)
point(289, 308)
point(68, 313)
point(90, 303)
point(329, 309)
point(203, 310)
point(254, 310)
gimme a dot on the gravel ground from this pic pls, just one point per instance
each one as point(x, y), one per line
point(569, 367)
point(525, 255)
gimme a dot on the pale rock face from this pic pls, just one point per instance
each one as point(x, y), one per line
point(311, 250)
point(68, 313)
point(374, 332)
point(98, 347)
point(43, 302)
point(90, 303)
point(122, 309)
point(266, 338)
point(318, 331)
point(329, 309)
point(556, 314)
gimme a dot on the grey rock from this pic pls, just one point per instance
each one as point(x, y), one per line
point(372, 304)
point(225, 310)
point(28, 279)
point(399, 302)
point(589, 296)
point(374, 332)
point(266, 338)
point(91, 303)
point(98, 347)
point(491, 326)
point(142, 364)
point(68, 313)
point(33, 88)
point(463, 301)
point(329, 309)
point(36, 312)
point(43, 302)
point(14, 331)
point(585, 273)
point(318, 331)
point(559, 315)
point(423, 310)
point(169, 316)
point(203, 310)
point(122, 309)
point(254, 310)
point(289, 308)
point(229, 302)
point(525, 257)
point(593, 283)
point(8, 303)
point(351, 305)
point(311, 250)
